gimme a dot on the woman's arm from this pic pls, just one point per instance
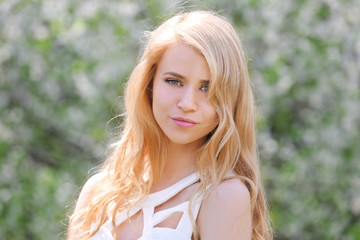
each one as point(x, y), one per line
point(225, 213)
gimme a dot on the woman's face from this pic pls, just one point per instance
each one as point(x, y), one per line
point(180, 98)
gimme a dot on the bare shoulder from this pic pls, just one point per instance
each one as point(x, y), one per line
point(82, 203)
point(226, 212)
point(233, 190)
point(83, 199)
point(93, 180)
point(229, 194)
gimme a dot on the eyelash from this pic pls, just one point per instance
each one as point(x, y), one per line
point(175, 82)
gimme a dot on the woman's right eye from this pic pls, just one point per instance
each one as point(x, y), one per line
point(173, 82)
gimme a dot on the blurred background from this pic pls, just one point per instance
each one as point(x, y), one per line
point(63, 65)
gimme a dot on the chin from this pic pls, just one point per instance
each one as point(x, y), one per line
point(186, 141)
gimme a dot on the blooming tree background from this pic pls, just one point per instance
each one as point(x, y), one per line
point(63, 65)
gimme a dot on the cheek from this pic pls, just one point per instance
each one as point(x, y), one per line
point(212, 117)
point(156, 106)
point(160, 101)
point(215, 120)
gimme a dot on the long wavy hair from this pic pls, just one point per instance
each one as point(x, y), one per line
point(141, 148)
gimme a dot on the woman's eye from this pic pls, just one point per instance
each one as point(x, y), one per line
point(204, 88)
point(173, 82)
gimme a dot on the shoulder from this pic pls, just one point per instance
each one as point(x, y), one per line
point(94, 180)
point(226, 212)
point(229, 194)
point(231, 189)
point(82, 203)
point(83, 199)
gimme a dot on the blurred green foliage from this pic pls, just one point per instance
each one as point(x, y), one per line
point(63, 65)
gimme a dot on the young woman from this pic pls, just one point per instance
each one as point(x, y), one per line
point(185, 166)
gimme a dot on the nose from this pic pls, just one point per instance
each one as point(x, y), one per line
point(187, 100)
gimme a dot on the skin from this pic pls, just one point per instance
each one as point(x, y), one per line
point(225, 213)
point(183, 112)
point(180, 93)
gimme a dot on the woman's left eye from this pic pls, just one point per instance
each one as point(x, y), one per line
point(204, 88)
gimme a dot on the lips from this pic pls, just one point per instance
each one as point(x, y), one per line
point(184, 122)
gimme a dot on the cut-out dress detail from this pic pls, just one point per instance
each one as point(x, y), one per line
point(184, 229)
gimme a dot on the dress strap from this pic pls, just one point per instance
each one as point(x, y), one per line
point(157, 198)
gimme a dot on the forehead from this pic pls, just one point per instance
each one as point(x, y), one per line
point(184, 59)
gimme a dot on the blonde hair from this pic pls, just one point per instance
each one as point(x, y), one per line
point(140, 149)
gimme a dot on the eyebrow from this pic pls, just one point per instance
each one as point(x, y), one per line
point(174, 74)
point(178, 75)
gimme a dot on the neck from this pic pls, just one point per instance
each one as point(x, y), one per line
point(181, 162)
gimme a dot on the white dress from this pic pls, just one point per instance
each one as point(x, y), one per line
point(183, 231)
